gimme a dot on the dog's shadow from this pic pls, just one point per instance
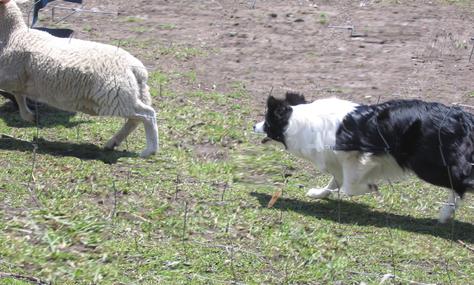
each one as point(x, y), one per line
point(81, 151)
point(348, 212)
point(48, 117)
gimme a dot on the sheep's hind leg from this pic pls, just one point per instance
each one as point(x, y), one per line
point(25, 112)
point(148, 116)
point(121, 135)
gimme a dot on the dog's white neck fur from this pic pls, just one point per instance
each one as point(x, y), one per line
point(312, 127)
point(311, 134)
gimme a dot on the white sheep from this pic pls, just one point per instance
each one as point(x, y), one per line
point(74, 75)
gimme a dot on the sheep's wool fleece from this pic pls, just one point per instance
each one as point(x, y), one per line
point(69, 74)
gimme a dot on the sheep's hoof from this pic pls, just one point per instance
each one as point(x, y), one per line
point(147, 153)
point(110, 145)
point(29, 117)
point(373, 187)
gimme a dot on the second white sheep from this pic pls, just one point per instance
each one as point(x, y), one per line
point(74, 75)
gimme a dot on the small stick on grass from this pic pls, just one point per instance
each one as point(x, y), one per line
point(285, 184)
point(472, 50)
point(177, 182)
point(32, 182)
point(286, 271)
point(78, 131)
point(114, 209)
point(30, 279)
point(223, 191)
point(5, 136)
point(274, 198)
point(227, 226)
point(232, 262)
point(37, 120)
point(466, 245)
point(183, 237)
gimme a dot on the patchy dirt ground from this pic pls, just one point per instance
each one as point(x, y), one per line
point(69, 216)
point(407, 49)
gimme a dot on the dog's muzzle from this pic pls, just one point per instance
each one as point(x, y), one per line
point(259, 128)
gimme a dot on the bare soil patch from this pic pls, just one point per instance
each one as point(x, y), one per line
point(403, 49)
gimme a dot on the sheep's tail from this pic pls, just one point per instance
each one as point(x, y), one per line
point(141, 75)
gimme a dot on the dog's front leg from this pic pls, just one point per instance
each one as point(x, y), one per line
point(447, 211)
point(321, 193)
point(354, 181)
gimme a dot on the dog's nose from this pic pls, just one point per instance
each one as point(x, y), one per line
point(254, 127)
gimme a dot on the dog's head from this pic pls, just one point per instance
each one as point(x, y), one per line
point(277, 116)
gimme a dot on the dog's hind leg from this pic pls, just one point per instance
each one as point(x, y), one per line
point(320, 193)
point(447, 211)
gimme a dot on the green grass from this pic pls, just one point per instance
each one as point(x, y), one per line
point(167, 26)
point(323, 18)
point(157, 78)
point(87, 216)
point(132, 19)
point(151, 49)
point(141, 29)
point(459, 2)
point(88, 29)
point(180, 52)
point(449, 2)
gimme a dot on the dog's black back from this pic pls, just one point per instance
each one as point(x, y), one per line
point(422, 137)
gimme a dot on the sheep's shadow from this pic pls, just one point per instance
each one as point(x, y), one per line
point(48, 117)
point(360, 214)
point(81, 151)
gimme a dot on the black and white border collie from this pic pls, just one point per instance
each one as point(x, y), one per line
point(363, 144)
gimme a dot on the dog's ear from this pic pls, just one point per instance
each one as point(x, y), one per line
point(293, 98)
point(273, 102)
point(278, 107)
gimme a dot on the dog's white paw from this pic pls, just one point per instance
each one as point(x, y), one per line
point(446, 213)
point(318, 193)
